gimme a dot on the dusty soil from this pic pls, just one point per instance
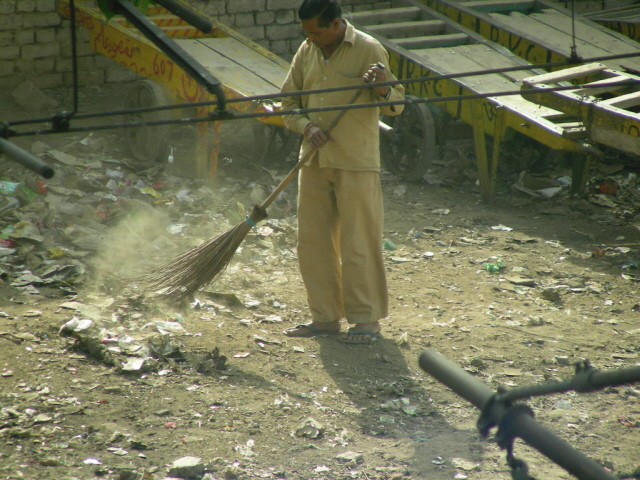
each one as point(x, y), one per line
point(148, 383)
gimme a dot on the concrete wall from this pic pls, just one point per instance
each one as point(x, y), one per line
point(35, 42)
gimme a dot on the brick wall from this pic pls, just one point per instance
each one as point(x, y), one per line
point(35, 42)
point(29, 42)
point(272, 23)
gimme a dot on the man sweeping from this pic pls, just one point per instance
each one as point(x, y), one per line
point(340, 207)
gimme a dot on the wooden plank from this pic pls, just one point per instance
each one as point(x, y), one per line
point(467, 59)
point(629, 100)
point(621, 141)
point(549, 37)
point(433, 41)
point(566, 74)
point(609, 85)
point(592, 35)
point(486, 55)
point(384, 15)
point(407, 29)
point(255, 75)
point(619, 13)
point(588, 32)
point(573, 130)
point(458, 60)
point(252, 59)
point(501, 5)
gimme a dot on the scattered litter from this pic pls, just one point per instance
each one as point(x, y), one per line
point(310, 428)
point(388, 245)
point(441, 211)
point(501, 227)
point(400, 190)
point(494, 267)
point(246, 450)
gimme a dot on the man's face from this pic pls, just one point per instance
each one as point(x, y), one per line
point(320, 36)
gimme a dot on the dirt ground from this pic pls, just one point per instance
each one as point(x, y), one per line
point(515, 291)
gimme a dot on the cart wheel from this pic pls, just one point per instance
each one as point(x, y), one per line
point(147, 144)
point(275, 143)
point(412, 147)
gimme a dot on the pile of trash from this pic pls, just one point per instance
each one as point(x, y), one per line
point(98, 218)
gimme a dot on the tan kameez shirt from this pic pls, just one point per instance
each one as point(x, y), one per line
point(354, 144)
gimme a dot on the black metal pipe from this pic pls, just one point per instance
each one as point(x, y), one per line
point(170, 48)
point(199, 21)
point(598, 379)
point(433, 78)
point(521, 424)
point(277, 113)
point(74, 55)
point(25, 158)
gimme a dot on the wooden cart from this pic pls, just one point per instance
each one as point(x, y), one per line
point(243, 68)
point(540, 32)
point(606, 106)
point(423, 43)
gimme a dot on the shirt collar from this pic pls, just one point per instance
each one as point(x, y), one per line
point(350, 33)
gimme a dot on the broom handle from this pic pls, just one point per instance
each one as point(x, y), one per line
point(304, 159)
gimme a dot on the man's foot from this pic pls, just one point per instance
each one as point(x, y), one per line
point(362, 334)
point(313, 329)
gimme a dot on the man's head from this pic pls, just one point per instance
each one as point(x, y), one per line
point(321, 22)
point(326, 11)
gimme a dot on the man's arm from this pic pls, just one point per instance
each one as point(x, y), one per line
point(293, 83)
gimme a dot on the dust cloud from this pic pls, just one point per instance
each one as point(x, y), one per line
point(131, 246)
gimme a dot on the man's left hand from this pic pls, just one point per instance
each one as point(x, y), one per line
point(376, 74)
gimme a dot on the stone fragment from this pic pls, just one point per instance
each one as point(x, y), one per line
point(187, 467)
point(350, 457)
point(310, 428)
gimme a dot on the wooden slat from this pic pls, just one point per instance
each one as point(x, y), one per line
point(407, 29)
point(384, 15)
point(610, 85)
point(463, 59)
point(467, 59)
point(433, 41)
point(237, 65)
point(501, 5)
point(620, 13)
point(559, 40)
point(593, 34)
point(573, 129)
point(487, 56)
point(566, 74)
point(629, 100)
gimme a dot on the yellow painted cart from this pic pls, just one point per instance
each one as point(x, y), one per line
point(624, 20)
point(540, 32)
point(242, 67)
point(424, 43)
point(607, 106)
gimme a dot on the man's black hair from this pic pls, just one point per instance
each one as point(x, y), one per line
point(326, 11)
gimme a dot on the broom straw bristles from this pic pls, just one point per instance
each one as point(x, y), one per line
point(196, 268)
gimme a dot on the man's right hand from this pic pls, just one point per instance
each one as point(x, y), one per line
point(316, 136)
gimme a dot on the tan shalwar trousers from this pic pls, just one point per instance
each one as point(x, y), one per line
point(340, 222)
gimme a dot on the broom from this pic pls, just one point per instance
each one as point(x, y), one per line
point(198, 267)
